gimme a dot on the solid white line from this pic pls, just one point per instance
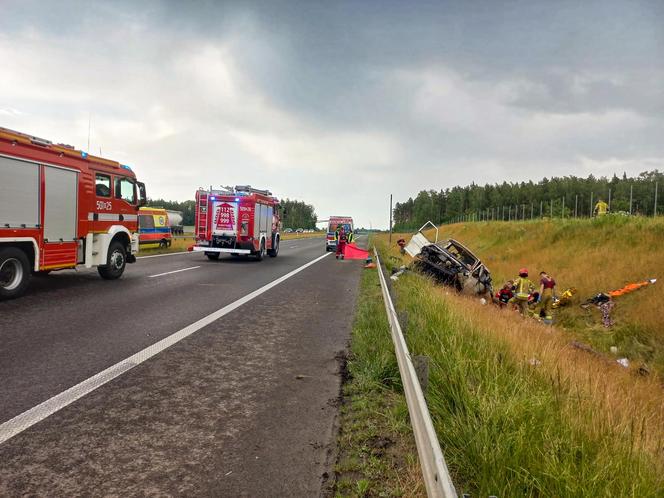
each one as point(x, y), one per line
point(38, 413)
point(160, 255)
point(174, 271)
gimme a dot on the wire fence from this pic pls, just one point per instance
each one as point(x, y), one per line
point(575, 206)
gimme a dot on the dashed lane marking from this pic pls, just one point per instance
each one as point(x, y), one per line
point(174, 271)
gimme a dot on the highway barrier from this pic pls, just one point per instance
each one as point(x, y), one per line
point(434, 469)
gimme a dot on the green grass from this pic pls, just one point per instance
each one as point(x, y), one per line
point(507, 428)
point(377, 456)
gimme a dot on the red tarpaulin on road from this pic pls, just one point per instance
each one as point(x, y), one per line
point(351, 251)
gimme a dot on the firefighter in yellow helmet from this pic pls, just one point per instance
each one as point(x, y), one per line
point(601, 208)
point(523, 287)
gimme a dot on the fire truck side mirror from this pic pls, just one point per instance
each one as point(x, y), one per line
point(142, 198)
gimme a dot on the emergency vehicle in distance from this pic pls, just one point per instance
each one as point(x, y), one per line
point(154, 227)
point(332, 225)
point(237, 221)
point(61, 207)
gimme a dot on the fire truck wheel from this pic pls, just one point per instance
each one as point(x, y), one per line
point(261, 253)
point(14, 272)
point(212, 255)
point(116, 262)
point(275, 250)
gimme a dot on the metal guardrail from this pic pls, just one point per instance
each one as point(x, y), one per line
point(434, 469)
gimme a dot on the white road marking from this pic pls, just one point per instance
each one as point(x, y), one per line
point(168, 254)
point(52, 405)
point(174, 271)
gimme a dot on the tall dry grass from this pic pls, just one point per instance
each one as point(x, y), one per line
point(594, 256)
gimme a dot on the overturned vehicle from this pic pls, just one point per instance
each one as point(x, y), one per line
point(449, 262)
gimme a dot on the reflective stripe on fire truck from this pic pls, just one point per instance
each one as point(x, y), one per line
point(112, 217)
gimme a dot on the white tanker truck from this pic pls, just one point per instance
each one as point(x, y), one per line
point(175, 222)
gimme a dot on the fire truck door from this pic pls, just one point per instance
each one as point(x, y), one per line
point(60, 218)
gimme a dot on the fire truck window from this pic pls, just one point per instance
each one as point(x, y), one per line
point(145, 221)
point(103, 185)
point(124, 189)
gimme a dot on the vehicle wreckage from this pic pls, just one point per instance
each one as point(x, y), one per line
point(449, 262)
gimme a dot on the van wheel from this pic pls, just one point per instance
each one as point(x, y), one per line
point(261, 253)
point(115, 262)
point(14, 273)
point(163, 244)
point(275, 249)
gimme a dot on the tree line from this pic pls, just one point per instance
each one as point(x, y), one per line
point(295, 214)
point(557, 196)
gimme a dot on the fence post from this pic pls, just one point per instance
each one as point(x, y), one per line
point(591, 204)
point(654, 211)
point(523, 211)
point(576, 204)
point(551, 208)
point(509, 213)
point(562, 213)
point(631, 190)
point(531, 210)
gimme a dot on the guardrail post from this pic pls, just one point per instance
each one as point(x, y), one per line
point(421, 364)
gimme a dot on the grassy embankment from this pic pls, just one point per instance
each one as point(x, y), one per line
point(181, 243)
point(594, 256)
point(518, 411)
point(377, 454)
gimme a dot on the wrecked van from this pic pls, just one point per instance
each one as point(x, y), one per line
point(449, 262)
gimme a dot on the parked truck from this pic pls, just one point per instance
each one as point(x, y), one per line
point(238, 221)
point(60, 208)
point(175, 222)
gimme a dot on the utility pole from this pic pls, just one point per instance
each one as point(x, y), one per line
point(551, 208)
point(531, 210)
point(390, 219)
point(609, 200)
point(509, 213)
point(541, 207)
point(523, 211)
point(591, 204)
point(562, 215)
point(631, 191)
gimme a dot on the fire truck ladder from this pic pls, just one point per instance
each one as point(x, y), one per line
point(204, 212)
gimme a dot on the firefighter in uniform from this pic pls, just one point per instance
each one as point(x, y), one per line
point(523, 287)
point(341, 238)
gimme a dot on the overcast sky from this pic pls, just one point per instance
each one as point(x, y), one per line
point(340, 104)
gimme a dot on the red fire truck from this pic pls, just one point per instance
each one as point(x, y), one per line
point(61, 207)
point(240, 220)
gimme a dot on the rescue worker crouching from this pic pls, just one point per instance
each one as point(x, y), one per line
point(523, 287)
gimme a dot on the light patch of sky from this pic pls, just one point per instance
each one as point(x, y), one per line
point(341, 105)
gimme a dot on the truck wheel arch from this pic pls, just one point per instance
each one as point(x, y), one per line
point(27, 245)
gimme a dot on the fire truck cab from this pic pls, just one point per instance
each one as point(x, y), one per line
point(60, 208)
point(238, 221)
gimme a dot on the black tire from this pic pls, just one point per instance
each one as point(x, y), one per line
point(261, 252)
point(163, 244)
point(274, 252)
point(116, 260)
point(213, 256)
point(14, 273)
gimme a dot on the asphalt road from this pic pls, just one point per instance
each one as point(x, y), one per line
point(243, 407)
